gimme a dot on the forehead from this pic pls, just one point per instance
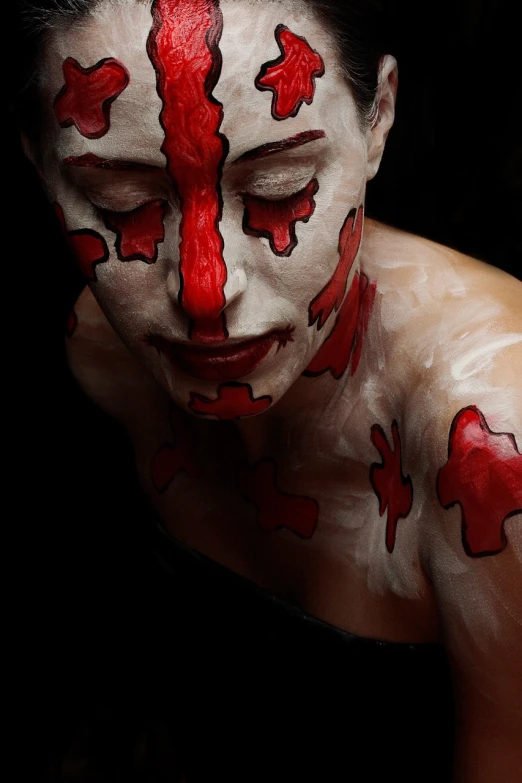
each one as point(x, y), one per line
point(248, 41)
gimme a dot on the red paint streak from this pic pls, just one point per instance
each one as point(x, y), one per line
point(88, 247)
point(345, 341)
point(273, 147)
point(331, 296)
point(71, 324)
point(291, 78)
point(393, 490)
point(277, 509)
point(483, 475)
point(85, 99)
point(184, 49)
point(92, 161)
point(139, 231)
point(276, 220)
point(172, 458)
point(234, 401)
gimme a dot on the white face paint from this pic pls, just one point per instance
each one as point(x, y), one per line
point(265, 293)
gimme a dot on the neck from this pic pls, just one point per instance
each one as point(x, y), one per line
point(306, 413)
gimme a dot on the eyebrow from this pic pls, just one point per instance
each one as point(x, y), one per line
point(91, 161)
point(274, 147)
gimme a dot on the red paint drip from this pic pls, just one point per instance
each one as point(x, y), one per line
point(234, 401)
point(291, 78)
point(276, 220)
point(138, 232)
point(85, 99)
point(394, 491)
point(173, 458)
point(277, 509)
point(183, 47)
point(331, 296)
point(88, 247)
point(345, 341)
point(484, 476)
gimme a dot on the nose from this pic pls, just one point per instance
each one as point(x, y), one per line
point(204, 298)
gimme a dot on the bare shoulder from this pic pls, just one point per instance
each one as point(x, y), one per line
point(455, 323)
point(104, 368)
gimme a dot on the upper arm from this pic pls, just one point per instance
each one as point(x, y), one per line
point(474, 554)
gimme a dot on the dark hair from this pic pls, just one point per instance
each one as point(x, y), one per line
point(358, 27)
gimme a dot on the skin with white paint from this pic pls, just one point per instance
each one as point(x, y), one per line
point(446, 332)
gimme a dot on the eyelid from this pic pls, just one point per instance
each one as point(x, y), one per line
point(282, 174)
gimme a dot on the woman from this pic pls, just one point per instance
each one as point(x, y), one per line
point(322, 409)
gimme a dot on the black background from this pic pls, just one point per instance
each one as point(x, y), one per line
point(82, 592)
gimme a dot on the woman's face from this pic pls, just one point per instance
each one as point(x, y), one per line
point(203, 158)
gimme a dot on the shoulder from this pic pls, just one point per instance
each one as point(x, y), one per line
point(454, 324)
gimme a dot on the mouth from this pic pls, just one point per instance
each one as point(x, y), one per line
point(225, 362)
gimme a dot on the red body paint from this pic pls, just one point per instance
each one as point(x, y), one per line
point(344, 343)
point(275, 220)
point(88, 247)
point(184, 49)
point(71, 324)
point(85, 99)
point(138, 232)
point(484, 476)
point(331, 296)
point(172, 458)
point(291, 78)
point(394, 491)
point(234, 401)
point(277, 509)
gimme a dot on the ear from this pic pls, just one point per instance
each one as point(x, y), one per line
point(384, 113)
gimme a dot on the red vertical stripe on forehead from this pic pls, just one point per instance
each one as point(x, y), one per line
point(183, 48)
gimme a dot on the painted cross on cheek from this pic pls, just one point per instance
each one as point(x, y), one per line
point(172, 458)
point(183, 46)
point(88, 247)
point(276, 220)
point(138, 232)
point(331, 296)
point(345, 341)
point(277, 509)
point(85, 99)
point(393, 490)
point(291, 78)
point(234, 401)
point(483, 475)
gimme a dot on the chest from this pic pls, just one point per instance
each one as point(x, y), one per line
point(304, 525)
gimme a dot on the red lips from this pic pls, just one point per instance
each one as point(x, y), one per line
point(223, 363)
